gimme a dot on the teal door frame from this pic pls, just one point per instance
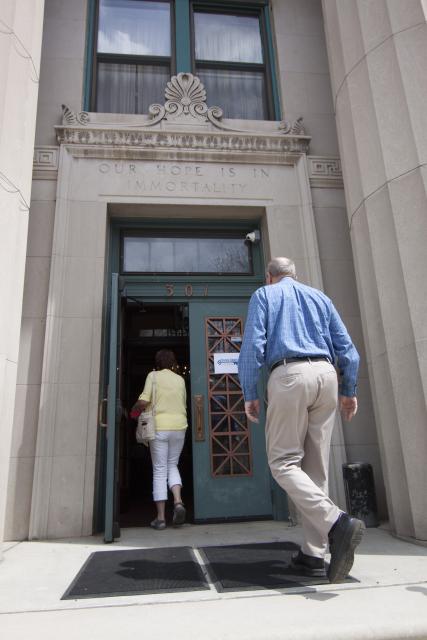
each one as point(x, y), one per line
point(154, 288)
point(111, 414)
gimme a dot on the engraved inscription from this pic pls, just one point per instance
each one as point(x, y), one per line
point(186, 178)
point(260, 173)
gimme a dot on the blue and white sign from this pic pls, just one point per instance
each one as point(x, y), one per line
point(226, 362)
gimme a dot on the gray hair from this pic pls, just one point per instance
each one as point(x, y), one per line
point(281, 267)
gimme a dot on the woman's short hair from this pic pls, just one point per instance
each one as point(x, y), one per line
point(281, 267)
point(165, 359)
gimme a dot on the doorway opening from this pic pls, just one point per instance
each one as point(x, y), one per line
point(147, 328)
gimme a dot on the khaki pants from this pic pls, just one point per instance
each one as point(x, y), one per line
point(302, 404)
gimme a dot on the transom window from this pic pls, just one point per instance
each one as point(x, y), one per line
point(169, 254)
point(139, 44)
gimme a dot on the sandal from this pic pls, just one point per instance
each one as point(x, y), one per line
point(178, 514)
point(158, 524)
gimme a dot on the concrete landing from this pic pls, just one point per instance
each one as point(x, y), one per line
point(389, 601)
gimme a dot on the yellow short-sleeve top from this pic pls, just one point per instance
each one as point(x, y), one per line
point(171, 400)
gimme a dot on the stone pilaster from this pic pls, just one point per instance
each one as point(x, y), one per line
point(377, 51)
point(20, 45)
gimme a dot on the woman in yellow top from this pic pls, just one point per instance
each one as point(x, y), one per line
point(171, 423)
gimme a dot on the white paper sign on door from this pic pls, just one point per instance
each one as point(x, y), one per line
point(225, 362)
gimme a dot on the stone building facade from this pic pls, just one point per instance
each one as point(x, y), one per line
point(330, 172)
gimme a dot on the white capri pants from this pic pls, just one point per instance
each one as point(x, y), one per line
point(165, 451)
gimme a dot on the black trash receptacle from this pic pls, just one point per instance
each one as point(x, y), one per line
point(360, 492)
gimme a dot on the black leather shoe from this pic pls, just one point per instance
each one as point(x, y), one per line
point(344, 537)
point(309, 565)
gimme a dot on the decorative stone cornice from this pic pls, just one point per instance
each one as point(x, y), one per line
point(325, 172)
point(183, 140)
point(184, 122)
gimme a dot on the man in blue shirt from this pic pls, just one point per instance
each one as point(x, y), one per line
point(297, 333)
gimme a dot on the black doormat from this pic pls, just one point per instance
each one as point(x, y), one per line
point(137, 571)
point(255, 566)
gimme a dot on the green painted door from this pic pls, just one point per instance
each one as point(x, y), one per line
point(230, 470)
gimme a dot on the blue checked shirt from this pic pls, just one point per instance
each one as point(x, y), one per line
point(290, 320)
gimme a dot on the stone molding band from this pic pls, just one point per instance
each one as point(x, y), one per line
point(323, 171)
point(202, 141)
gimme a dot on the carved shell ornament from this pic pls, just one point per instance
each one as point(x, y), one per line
point(185, 94)
point(185, 98)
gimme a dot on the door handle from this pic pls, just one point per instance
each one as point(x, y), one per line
point(199, 414)
point(101, 413)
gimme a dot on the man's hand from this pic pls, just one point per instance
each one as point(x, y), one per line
point(252, 410)
point(348, 407)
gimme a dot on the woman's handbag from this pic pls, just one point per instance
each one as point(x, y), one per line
point(146, 428)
